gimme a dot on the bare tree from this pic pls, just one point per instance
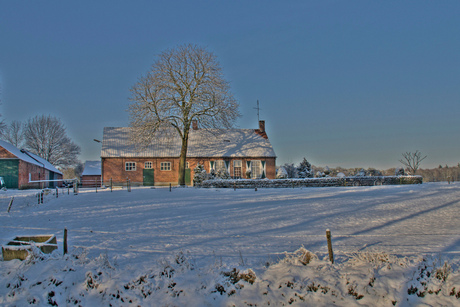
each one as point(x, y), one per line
point(13, 133)
point(46, 137)
point(184, 84)
point(412, 160)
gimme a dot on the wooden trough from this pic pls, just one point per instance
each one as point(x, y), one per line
point(20, 247)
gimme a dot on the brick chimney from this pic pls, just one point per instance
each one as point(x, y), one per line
point(262, 126)
point(194, 124)
point(261, 130)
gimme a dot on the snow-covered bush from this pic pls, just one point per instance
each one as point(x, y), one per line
point(399, 171)
point(199, 175)
point(374, 172)
point(291, 170)
point(361, 173)
point(281, 173)
point(222, 174)
point(304, 169)
point(320, 174)
point(248, 174)
point(312, 182)
point(341, 175)
point(212, 174)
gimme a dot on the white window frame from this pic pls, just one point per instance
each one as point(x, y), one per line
point(130, 166)
point(256, 169)
point(238, 164)
point(165, 166)
point(148, 165)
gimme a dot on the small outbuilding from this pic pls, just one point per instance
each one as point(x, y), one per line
point(20, 168)
point(91, 176)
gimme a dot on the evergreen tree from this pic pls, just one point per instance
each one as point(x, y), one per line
point(199, 175)
point(304, 169)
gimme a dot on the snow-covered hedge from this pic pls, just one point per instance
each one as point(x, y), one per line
point(312, 182)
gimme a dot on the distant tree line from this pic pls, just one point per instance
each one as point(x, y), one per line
point(290, 170)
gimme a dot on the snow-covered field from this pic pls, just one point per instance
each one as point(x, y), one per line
point(393, 245)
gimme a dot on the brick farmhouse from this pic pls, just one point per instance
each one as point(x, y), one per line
point(18, 166)
point(236, 150)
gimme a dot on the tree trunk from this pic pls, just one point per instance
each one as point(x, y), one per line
point(182, 158)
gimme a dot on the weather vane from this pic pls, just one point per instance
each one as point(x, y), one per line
point(258, 109)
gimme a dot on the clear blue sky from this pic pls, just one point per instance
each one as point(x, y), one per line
point(342, 83)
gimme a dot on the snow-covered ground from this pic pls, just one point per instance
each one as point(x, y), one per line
point(393, 245)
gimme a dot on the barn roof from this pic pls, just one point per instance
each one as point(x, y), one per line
point(28, 157)
point(92, 168)
point(43, 162)
point(203, 143)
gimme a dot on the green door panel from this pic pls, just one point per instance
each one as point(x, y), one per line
point(9, 170)
point(148, 177)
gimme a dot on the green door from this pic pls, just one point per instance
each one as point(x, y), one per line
point(188, 177)
point(9, 170)
point(148, 177)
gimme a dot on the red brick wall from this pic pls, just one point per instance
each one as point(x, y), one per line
point(5, 154)
point(37, 173)
point(114, 168)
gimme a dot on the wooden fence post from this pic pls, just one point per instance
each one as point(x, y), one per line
point(169, 187)
point(65, 241)
point(329, 245)
point(111, 184)
point(57, 192)
point(11, 203)
point(95, 180)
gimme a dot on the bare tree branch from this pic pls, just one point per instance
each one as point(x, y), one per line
point(46, 137)
point(412, 160)
point(13, 133)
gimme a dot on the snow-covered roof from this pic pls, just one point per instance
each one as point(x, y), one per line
point(203, 143)
point(92, 168)
point(28, 157)
point(42, 162)
point(17, 152)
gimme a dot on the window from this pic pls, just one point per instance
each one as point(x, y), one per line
point(256, 169)
point(237, 168)
point(130, 166)
point(148, 164)
point(165, 166)
point(220, 165)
